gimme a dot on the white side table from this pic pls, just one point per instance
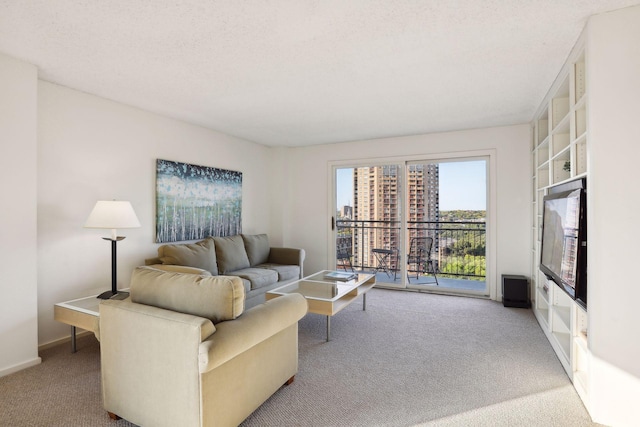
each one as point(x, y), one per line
point(83, 313)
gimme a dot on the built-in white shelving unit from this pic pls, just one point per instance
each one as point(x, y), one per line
point(559, 154)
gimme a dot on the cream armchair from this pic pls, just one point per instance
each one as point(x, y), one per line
point(181, 352)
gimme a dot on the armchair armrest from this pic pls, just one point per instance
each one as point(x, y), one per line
point(287, 256)
point(146, 351)
point(254, 326)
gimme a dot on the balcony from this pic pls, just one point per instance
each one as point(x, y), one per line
point(458, 252)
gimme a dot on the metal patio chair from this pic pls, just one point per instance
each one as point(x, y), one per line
point(420, 257)
point(343, 258)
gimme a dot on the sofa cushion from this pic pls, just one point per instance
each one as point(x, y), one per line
point(200, 255)
point(230, 254)
point(216, 298)
point(258, 277)
point(181, 269)
point(257, 247)
point(285, 272)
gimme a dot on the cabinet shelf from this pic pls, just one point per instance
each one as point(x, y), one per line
point(560, 140)
point(581, 103)
point(563, 125)
point(542, 152)
point(564, 315)
point(543, 176)
point(562, 165)
point(582, 138)
point(544, 317)
point(560, 111)
point(542, 305)
point(564, 341)
point(544, 295)
point(543, 129)
point(562, 154)
point(544, 167)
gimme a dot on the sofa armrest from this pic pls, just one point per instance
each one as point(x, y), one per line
point(180, 269)
point(254, 326)
point(287, 256)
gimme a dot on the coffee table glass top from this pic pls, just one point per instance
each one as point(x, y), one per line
point(322, 286)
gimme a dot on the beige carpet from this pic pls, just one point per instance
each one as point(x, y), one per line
point(410, 359)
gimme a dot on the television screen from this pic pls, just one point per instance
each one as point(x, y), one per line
point(563, 255)
point(560, 237)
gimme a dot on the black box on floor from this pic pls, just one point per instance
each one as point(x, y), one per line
point(515, 291)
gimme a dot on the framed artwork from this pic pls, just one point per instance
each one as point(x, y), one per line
point(194, 202)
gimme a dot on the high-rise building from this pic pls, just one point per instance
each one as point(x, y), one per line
point(377, 200)
point(346, 212)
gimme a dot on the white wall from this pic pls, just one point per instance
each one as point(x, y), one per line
point(18, 234)
point(613, 67)
point(308, 213)
point(89, 149)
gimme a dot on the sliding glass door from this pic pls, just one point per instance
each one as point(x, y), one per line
point(445, 231)
point(418, 224)
point(367, 224)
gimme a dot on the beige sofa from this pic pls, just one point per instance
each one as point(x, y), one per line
point(250, 257)
point(181, 351)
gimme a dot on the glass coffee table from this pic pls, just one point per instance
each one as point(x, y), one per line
point(327, 292)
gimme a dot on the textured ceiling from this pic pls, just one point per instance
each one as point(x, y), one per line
point(302, 72)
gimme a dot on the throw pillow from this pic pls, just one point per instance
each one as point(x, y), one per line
point(200, 254)
point(230, 254)
point(257, 247)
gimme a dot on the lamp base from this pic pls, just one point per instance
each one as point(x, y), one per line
point(112, 295)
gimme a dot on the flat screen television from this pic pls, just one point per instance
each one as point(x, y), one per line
point(563, 256)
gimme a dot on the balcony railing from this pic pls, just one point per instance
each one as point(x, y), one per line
point(458, 249)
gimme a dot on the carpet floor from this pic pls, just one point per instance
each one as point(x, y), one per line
point(410, 359)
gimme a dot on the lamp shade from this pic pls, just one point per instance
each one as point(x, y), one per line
point(112, 214)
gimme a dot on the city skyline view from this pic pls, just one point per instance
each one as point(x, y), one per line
point(462, 185)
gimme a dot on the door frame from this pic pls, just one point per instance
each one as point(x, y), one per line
point(491, 186)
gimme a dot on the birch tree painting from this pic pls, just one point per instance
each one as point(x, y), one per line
point(194, 202)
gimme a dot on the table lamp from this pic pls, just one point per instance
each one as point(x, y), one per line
point(113, 214)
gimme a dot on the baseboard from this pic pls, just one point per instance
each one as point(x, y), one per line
point(20, 366)
point(63, 340)
point(451, 293)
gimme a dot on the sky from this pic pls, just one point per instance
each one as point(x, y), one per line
point(462, 186)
